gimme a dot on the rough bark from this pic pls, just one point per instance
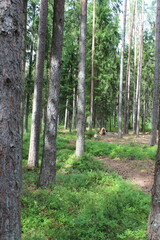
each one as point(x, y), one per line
point(155, 112)
point(121, 72)
point(92, 73)
point(38, 86)
point(154, 218)
point(11, 15)
point(81, 82)
point(48, 170)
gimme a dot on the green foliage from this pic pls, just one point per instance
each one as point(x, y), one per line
point(89, 134)
point(87, 202)
point(129, 151)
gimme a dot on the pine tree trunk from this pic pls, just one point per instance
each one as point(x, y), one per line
point(66, 115)
point(127, 93)
point(28, 88)
point(121, 72)
point(25, 2)
point(74, 109)
point(38, 86)
point(135, 71)
point(139, 76)
point(11, 16)
point(154, 218)
point(155, 112)
point(81, 82)
point(92, 73)
point(48, 168)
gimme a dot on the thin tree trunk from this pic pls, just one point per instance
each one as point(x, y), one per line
point(66, 115)
point(121, 72)
point(81, 82)
point(11, 24)
point(38, 86)
point(48, 167)
point(155, 112)
point(25, 2)
point(127, 93)
point(139, 77)
point(74, 109)
point(135, 71)
point(27, 112)
point(28, 87)
point(92, 73)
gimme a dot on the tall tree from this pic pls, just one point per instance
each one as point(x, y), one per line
point(38, 86)
point(92, 72)
point(48, 167)
point(81, 81)
point(127, 91)
point(154, 219)
point(121, 72)
point(11, 16)
point(139, 74)
point(155, 112)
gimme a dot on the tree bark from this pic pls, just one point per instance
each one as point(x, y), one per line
point(48, 168)
point(38, 86)
point(81, 82)
point(154, 218)
point(66, 115)
point(92, 73)
point(11, 16)
point(155, 112)
point(139, 75)
point(127, 93)
point(121, 72)
point(74, 109)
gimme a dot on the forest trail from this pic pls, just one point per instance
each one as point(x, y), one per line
point(137, 172)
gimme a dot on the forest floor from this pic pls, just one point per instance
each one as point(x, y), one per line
point(137, 172)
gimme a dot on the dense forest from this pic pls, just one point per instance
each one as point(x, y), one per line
point(79, 96)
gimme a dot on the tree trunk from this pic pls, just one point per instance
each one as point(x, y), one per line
point(66, 115)
point(121, 72)
point(48, 168)
point(25, 2)
point(92, 73)
point(139, 76)
point(155, 112)
point(127, 93)
point(29, 80)
point(81, 81)
point(74, 109)
point(154, 218)
point(11, 16)
point(38, 86)
point(135, 71)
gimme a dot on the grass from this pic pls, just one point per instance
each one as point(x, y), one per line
point(130, 151)
point(88, 202)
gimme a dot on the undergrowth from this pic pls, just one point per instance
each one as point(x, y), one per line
point(88, 202)
point(130, 151)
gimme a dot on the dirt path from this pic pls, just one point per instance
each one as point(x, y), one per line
point(138, 172)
